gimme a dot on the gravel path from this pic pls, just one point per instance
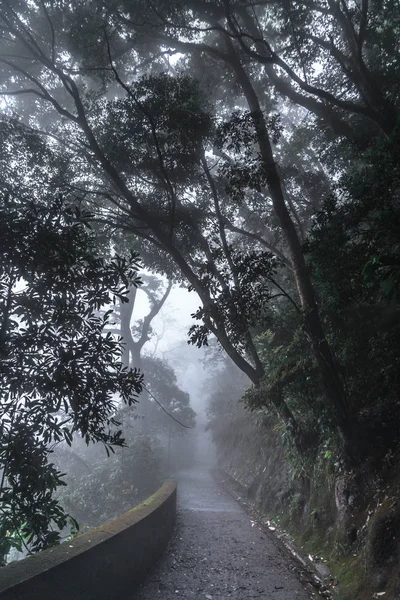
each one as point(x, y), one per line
point(218, 553)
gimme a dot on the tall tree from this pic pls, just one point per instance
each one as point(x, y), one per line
point(328, 59)
point(154, 103)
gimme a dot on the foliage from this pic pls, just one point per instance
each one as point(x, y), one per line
point(60, 373)
point(242, 305)
point(237, 136)
point(166, 117)
point(353, 251)
point(100, 489)
point(161, 381)
point(304, 97)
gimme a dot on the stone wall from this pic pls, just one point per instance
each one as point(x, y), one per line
point(105, 563)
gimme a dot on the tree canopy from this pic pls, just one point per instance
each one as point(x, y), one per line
point(249, 151)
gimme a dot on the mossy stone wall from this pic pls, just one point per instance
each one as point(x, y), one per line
point(105, 563)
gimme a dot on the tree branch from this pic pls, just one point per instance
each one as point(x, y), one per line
point(363, 26)
point(44, 94)
point(155, 309)
point(167, 181)
point(254, 236)
point(274, 58)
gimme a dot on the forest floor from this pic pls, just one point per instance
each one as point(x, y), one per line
point(218, 552)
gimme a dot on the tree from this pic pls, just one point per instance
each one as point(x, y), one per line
point(232, 30)
point(129, 197)
point(60, 370)
point(191, 221)
point(313, 327)
point(136, 336)
point(354, 43)
point(160, 383)
point(139, 112)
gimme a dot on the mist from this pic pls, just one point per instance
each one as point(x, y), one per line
point(199, 280)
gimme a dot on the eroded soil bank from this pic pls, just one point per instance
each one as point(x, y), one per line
point(218, 552)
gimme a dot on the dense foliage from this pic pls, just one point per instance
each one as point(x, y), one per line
point(100, 489)
point(250, 152)
point(60, 372)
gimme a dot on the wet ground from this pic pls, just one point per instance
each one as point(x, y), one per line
point(218, 552)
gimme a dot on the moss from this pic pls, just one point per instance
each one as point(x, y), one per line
point(350, 573)
point(326, 514)
point(383, 548)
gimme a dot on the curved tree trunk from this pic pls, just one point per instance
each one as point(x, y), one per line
point(312, 322)
point(125, 311)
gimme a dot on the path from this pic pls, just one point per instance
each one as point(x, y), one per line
point(217, 554)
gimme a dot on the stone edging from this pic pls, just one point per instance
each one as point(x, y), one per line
point(102, 564)
point(306, 571)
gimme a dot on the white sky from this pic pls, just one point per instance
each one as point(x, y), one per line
point(173, 321)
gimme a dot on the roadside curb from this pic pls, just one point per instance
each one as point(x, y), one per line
point(306, 571)
point(103, 563)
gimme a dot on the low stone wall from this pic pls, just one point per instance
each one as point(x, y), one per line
point(103, 564)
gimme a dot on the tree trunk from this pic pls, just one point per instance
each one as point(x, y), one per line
point(166, 241)
point(126, 310)
point(312, 322)
point(131, 354)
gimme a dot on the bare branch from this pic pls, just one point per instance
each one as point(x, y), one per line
point(44, 93)
point(21, 92)
point(257, 238)
point(363, 25)
point(284, 293)
point(53, 33)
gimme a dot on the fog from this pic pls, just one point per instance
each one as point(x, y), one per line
point(159, 444)
point(219, 173)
